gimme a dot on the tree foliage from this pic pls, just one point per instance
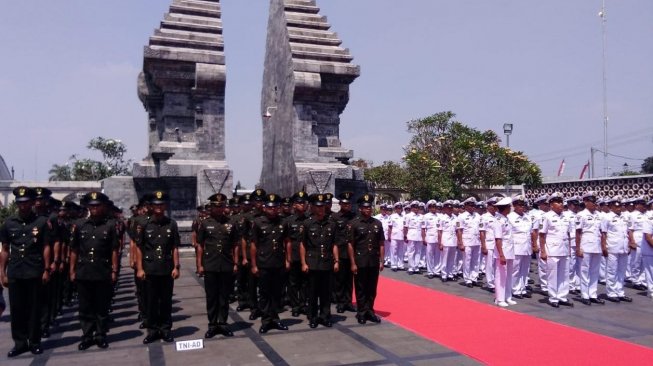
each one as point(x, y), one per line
point(387, 175)
point(113, 163)
point(7, 211)
point(647, 165)
point(445, 156)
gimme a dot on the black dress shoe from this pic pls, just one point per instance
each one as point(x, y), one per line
point(470, 285)
point(312, 324)
point(279, 326)
point(350, 307)
point(517, 296)
point(639, 287)
point(527, 295)
point(225, 331)
point(45, 334)
point(150, 338)
point(210, 333)
point(373, 318)
point(586, 301)
point(263, 329)
point(36, 349)
point(327, 323)
point(167, 337)
point(625, 298)
point(102, 343)
point(241, 307)
point(552, 304)
point(361, 320)
point(597, 301)
point(567, 303)
point(613, 299)
point(17, 351)
point(339, 309)
point(142, 325)
point(254, 315)
point(84, 345)
point(295, 313)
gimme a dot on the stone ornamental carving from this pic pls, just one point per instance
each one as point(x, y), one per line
point(305, 89)
point(633, 186)
point(182, 88)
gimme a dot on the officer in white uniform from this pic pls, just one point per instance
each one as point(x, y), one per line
point(636, 221)
point(432, 246)
point(447, 240)
point(396, 233)
point(384, 217)
point(524, 233)
point(588, 247)
point(481, 209)
point(647, 251)
point(504, 255)
point(540, 207)
point(486, 235)
point(467, 233)
point(615, 243)
point(414, 232)
point(573, 205)
point(554, 232)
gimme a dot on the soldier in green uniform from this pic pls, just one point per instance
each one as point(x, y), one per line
point(68, 214)
point(343, 280)
point(141, 218)
point(366, 253)
point(258, 197)
point(297, 279)
point(243, 277)
point(217, 260)
point(158, 265)
point(270, 258)
point(94, 247)
point(319, 258)
point(24, 268)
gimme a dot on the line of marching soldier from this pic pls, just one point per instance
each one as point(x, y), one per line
point(578, 243)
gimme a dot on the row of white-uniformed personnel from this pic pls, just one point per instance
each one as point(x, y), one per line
point(579, 242)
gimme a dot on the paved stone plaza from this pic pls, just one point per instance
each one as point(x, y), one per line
point(347, 343)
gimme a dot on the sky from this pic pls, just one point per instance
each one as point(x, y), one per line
point(68, 74)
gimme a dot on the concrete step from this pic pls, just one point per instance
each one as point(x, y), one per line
point(326, 67)
point(290, 22)
point(199, 4)
point(186, 35)
point(216, 45)
point(315, 40)
point(301, 8)
point(184, 54)
point(319, 56)
point(197, 11)
point(184, 18)
point(322, 49)
point(190, 27)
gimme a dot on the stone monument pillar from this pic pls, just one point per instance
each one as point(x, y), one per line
point(305, 89)
point(182, 87)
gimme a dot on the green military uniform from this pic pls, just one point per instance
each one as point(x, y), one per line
point(366, 244)
point(243, 224)
point(343, 279)
point(25, 260)
point(258, 196)
point(158, 240)
point(319, 253)
point(269, 236)
point(217, 238)
point(297, 279)
point(94, 246)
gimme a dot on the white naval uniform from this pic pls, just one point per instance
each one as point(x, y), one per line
point(574, 263)
point(647, 255)
point(555, 229)
point(415, 225)
point(615, 229)
point(503, 272)
point(487, 225)
point(636, 221)
point(588, 224)
point(469, 224)
point(432, 246)
point(385, 219)
point(521, 227)
point(536, 217)
point(396, 225)
point(447, 233)
point(604, 260)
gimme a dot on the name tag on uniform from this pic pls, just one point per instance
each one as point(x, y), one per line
point(190, 345)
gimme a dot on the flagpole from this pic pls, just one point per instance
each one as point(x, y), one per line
point(602, 14)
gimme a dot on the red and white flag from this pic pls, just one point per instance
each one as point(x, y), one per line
point(562, 167)
point(585, 169)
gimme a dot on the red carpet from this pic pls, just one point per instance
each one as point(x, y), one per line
point(497, 336)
